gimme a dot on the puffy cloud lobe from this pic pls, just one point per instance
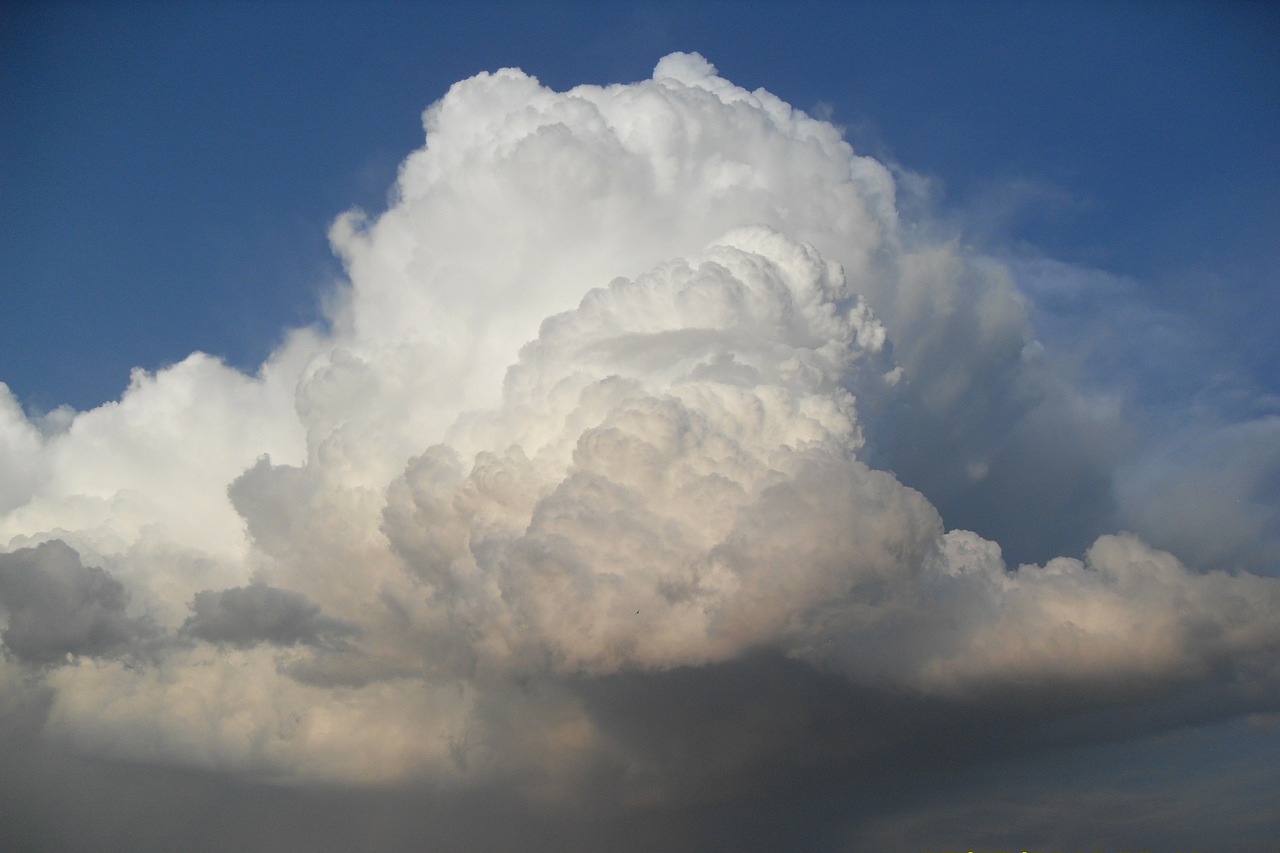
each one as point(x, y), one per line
point(686, 397)
point(701, 514)
point(147, 475)
point(1124, 619)
point(58, 607)
point(529, 198)
point(248, 615)
point(615, 415)
point(19, 452)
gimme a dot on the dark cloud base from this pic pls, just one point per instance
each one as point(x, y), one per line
point(67, 803)
point(893, 774)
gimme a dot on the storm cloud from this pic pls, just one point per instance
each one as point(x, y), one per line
point(623, 483)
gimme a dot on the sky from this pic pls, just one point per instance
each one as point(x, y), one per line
point(665, 426)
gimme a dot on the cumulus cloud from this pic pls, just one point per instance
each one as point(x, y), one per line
point(618, 479)
point(57, 607)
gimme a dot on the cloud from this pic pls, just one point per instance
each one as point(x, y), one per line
point(1209, 491)
point(56, 607)
point(20, 443)
point(627, 478)
point(247, 615)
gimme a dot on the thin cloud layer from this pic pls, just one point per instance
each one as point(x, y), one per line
point(596, 491)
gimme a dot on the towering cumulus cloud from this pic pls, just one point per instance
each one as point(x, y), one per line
point(592, 492)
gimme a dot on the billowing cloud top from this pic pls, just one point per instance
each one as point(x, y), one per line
point(621, 389)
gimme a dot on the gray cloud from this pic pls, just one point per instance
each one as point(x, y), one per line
point(56, 606)
point(258, 613)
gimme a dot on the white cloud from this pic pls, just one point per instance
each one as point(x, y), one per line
point(610, 393)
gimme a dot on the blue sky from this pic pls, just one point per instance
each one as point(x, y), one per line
point(173, 168)
point(1027, 595)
